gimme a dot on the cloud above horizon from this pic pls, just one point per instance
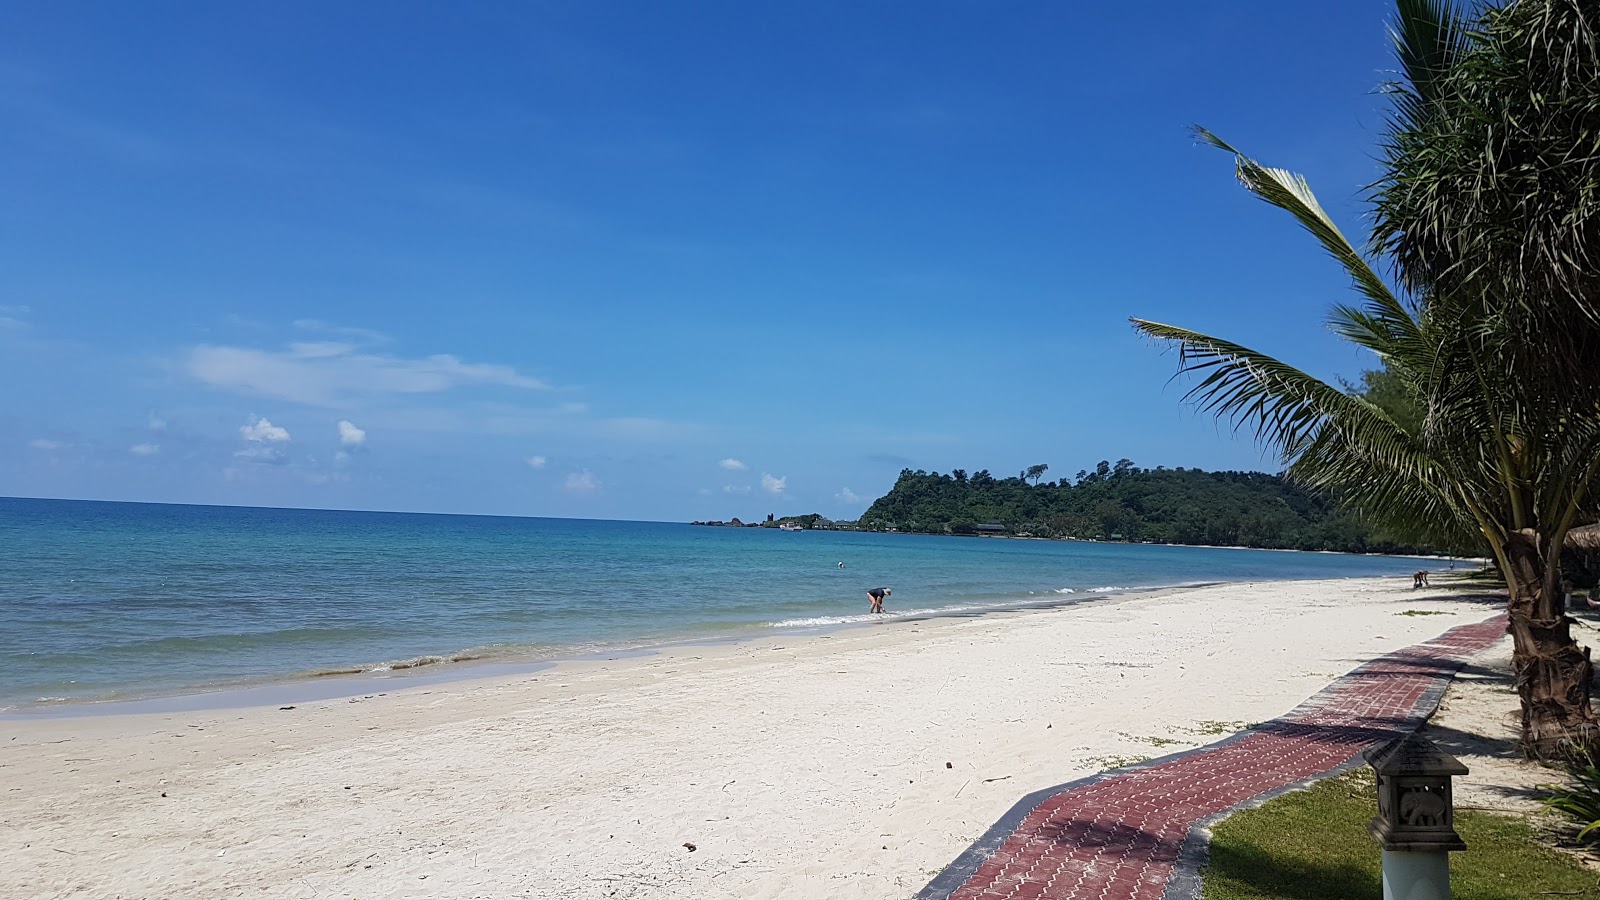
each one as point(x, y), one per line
point(263, 436)
point(350, 435)
point(847, 496)
point(262, 430)
point(334, 373)
point(581, 483)
point(145, 449)
point(773, 485)
point(536, 462)
point(733, 465)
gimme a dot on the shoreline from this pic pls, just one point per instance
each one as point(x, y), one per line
point(446, 669)
point(848, 763)
point(315, 686)
point(101, 628)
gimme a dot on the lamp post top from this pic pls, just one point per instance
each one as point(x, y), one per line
point(1412, 755)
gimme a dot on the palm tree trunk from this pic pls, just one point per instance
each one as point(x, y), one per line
point(1553, 671)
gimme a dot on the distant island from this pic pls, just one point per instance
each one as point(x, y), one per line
point(814, 521)
point(1113, 502)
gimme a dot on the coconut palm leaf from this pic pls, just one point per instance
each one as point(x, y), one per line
point(1328, 438)
point(1429, 38)
point(1290, 192)
point(1488, 211)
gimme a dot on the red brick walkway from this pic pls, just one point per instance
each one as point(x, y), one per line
point(1140, 833)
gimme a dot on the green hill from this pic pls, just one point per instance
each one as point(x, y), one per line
point(1124, 502)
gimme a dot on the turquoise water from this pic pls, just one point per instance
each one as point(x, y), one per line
point(116, 600)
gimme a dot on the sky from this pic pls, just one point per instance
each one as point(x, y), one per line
point(643, 260)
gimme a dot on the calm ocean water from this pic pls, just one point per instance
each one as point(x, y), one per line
point(116, 600)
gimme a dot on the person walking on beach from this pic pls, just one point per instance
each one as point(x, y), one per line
point(876, 595)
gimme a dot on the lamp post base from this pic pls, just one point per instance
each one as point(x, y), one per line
point(1416, 875)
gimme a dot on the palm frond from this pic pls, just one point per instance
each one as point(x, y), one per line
point(1285, 406)
point(1328, 438)
point(1292, 194)
point(1429, 37)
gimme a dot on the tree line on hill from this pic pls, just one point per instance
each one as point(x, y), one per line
point(1122, 502)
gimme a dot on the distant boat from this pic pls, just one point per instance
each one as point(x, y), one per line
point(790, 526)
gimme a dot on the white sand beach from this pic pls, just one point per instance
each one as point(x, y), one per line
point(797, 766)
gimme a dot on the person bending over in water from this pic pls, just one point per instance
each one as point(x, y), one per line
point(876, 595)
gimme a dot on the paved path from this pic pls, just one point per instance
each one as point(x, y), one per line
point(1141, 833)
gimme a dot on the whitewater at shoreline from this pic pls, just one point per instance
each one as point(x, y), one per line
point(115, 602)
point(510, 661)
point(797, 764)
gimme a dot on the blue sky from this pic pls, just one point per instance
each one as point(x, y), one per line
point(647, 260)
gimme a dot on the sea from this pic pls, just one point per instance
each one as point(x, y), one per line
point(106, 602)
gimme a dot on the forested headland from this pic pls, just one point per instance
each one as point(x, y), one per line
point(1122, 502)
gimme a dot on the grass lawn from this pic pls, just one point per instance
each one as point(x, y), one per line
point(1313, 845)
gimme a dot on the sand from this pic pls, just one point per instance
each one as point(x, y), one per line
point(1479, 722)
point(797, 766)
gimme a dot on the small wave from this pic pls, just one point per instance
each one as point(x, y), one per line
point(815, 621)
point(1065, 591)
point(415, 662)
point(400, 665)
point(1108, 589)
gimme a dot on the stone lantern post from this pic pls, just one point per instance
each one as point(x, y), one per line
point(1416, 818)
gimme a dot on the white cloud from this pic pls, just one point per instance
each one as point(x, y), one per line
point(330, 373)
point(264, 431)
point(145, 449)
point(581, 483)
point(536, 462)
point(156, 423)
point(847, 496)
point(773, 485)
point(740, 489)
point(350, 435)
point(704, 492)
point(733, 465)
point(46, 444)
point(339, 456)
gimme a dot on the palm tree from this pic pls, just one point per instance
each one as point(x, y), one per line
point(1484, 463)
point(1489, 212)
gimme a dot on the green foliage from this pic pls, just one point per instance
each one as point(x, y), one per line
point(1580, 801)
point(1124, 502)
point(1487, 213)
point(1313, 845)
point(1388, 391)
point(810, 520)
point(1498, 449)
point(1491, 182)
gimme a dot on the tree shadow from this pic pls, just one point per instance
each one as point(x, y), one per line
point(1412, 665)
point(1267, 875)
point(1459, 742)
